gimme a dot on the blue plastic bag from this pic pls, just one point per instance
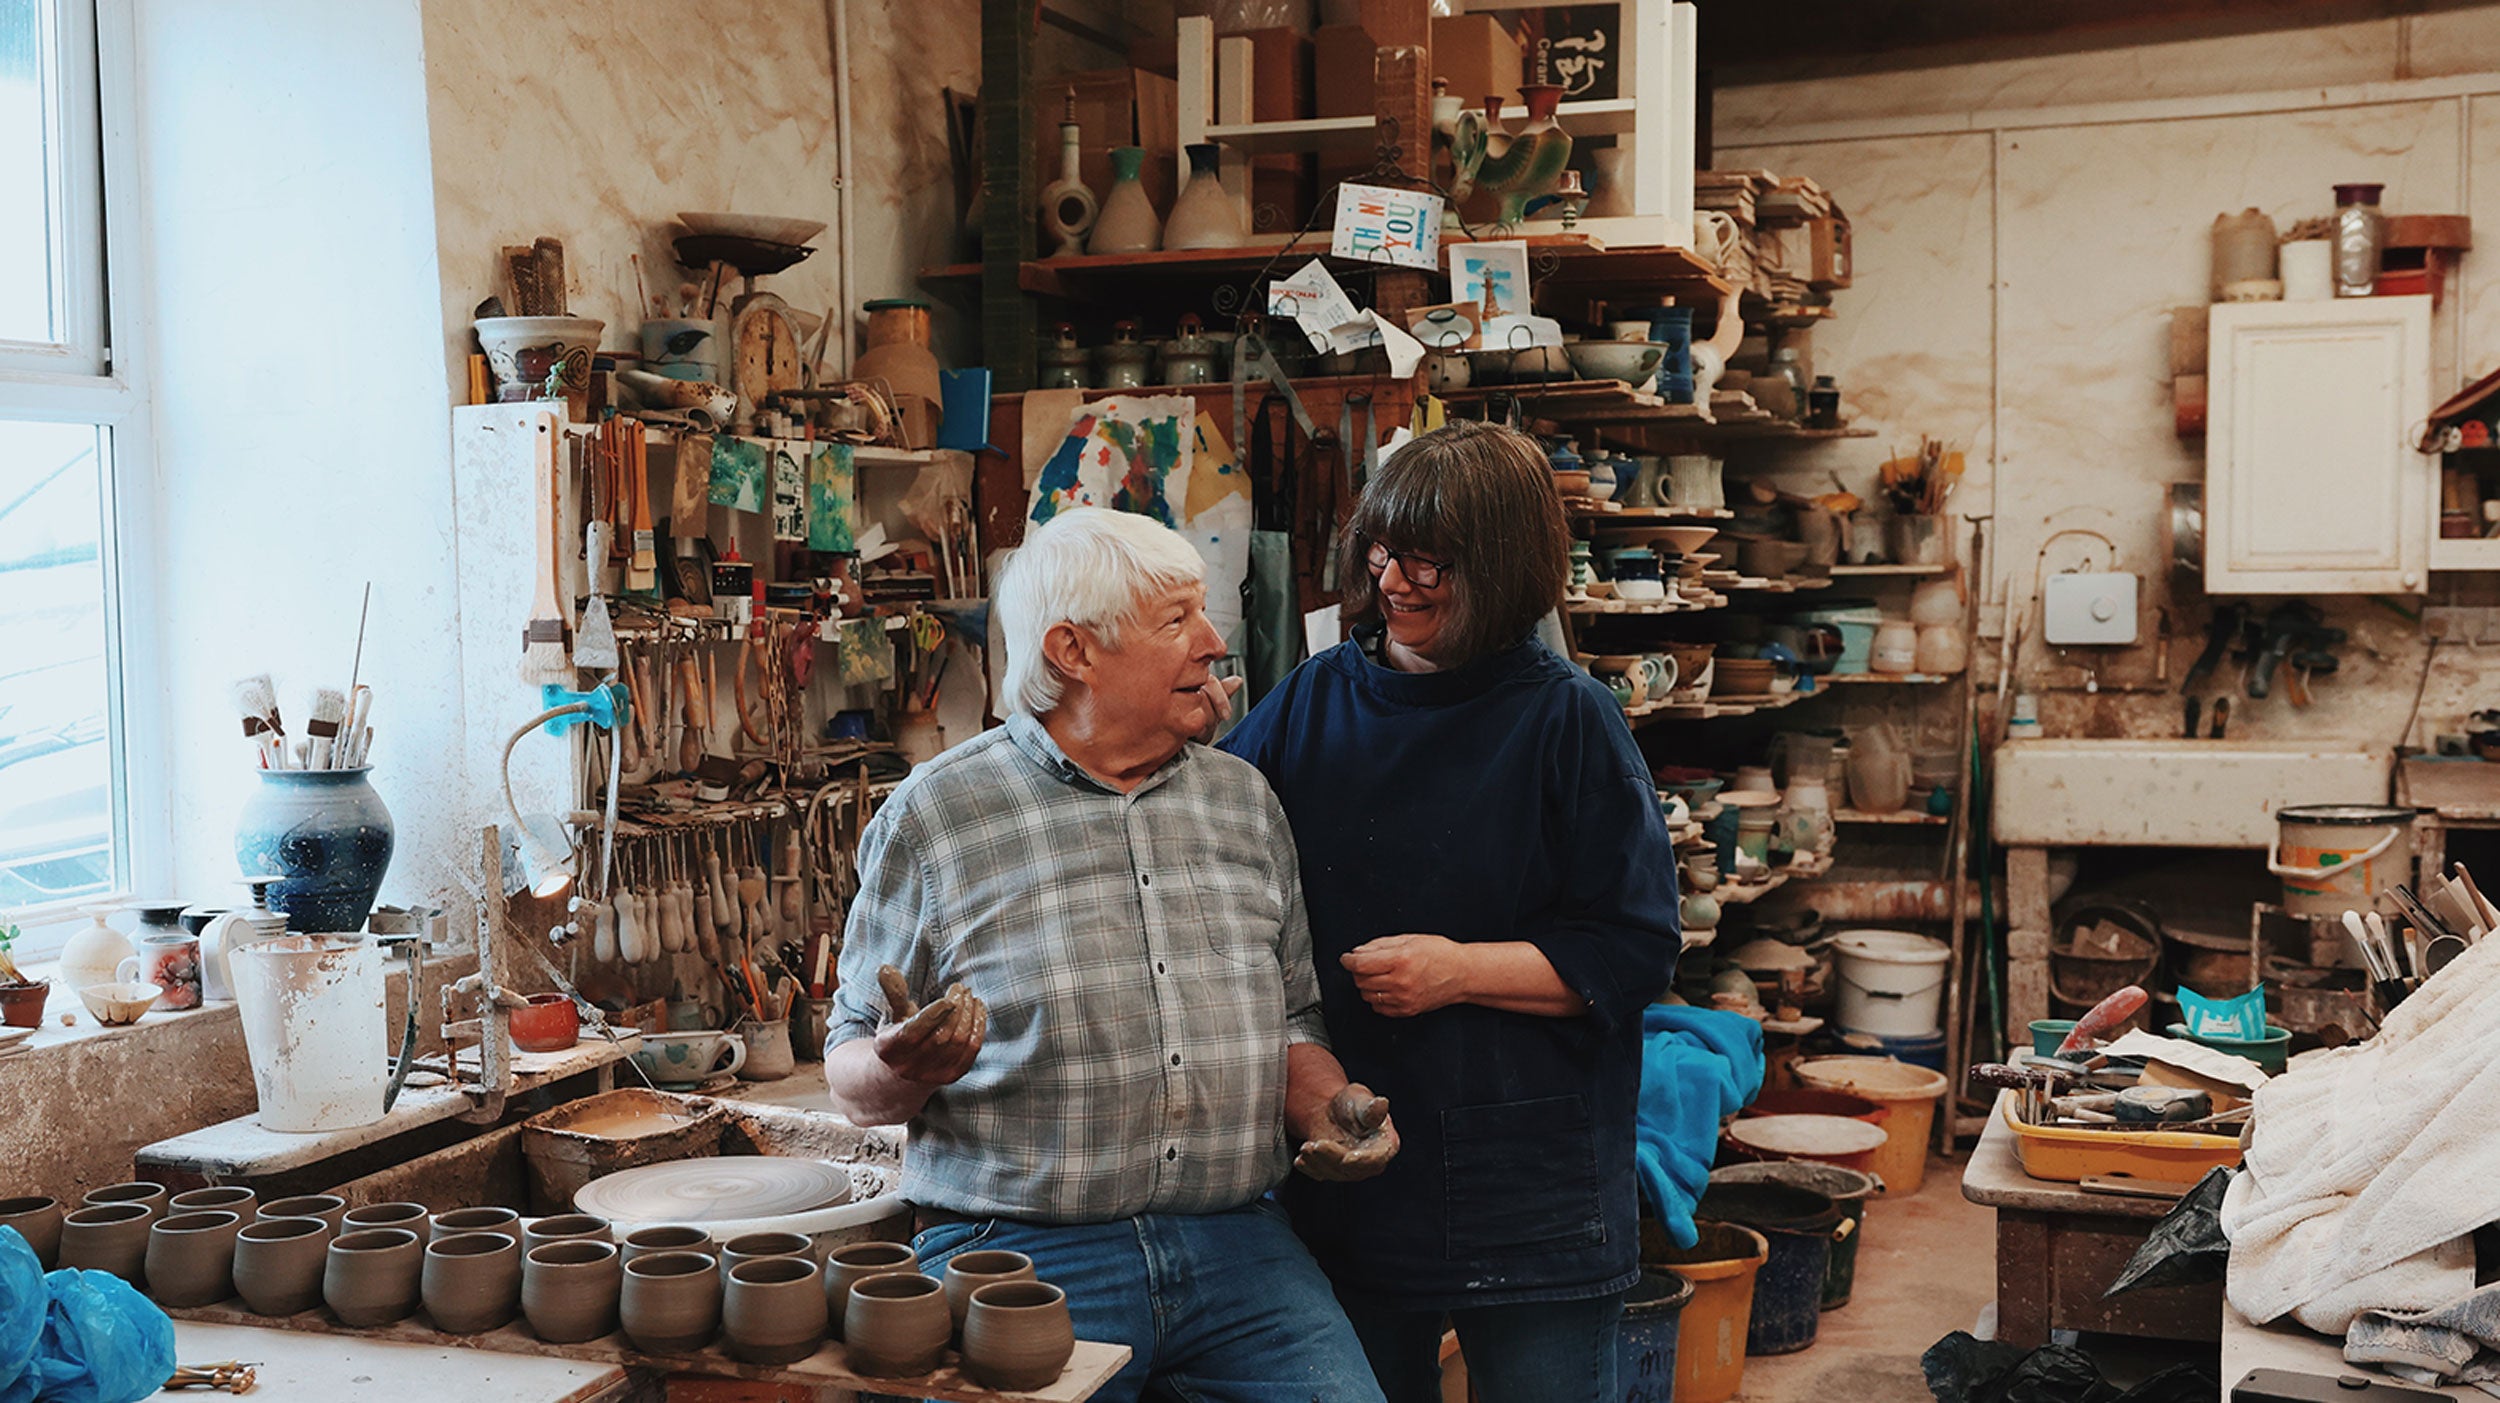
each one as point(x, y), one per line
point(23, 1301)
point(100, 1342)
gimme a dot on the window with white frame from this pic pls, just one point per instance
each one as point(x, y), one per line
point(64, 412)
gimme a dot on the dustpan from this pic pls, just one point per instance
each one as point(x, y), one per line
point(2242, 1016)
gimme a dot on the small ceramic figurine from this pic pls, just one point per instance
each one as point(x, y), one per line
point(1710, 357)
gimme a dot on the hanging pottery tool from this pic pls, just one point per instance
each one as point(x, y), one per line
point(545, 656)
point(642, 576)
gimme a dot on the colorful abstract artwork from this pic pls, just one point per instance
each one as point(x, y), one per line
point(1127, 453)
point(739, 473)
point(832, 499)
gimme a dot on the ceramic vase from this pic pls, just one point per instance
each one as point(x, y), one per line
point(850, 1265)
point(769, 1057)
point(774, 1310)
point(328, 837)
point(569, 1289)
point(329, 1208)
point(278, 1264)
point(1205, 215)
point(468, 1220)
point(758, 1246)
point(95, 953)
point(36, 1218)
point(1672, 327)
point(471, 1282)
point(110, 1237)
point(412, 1216)
point(190, 1259)
point(373, 1277)
point(1128, 222)
point(564, 1227)
point(967, 1272)
point(1612, 195)
point(669, 1237)
point(671, 1301)
point(1018, 1335)
point(223, 1198)
point(1068, 207)
point(896, 1325)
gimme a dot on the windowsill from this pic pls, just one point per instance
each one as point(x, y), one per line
point(53, 1037)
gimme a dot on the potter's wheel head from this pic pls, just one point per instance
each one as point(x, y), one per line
point(716, 1189)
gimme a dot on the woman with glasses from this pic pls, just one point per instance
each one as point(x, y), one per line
point(1492, 903)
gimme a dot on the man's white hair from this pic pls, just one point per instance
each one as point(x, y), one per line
point(1090, 567)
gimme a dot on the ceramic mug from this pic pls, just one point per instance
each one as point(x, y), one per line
point(684, 1061)
point(1693, 480)
point(1714, 235)
point(1662, 675)
point(171, 963)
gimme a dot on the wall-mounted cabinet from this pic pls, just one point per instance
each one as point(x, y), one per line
point(2312, 481)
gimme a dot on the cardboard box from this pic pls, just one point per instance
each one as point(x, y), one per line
point(1830, 261)
point(1341, 71)
point(1114, 107)
point(1477, 57)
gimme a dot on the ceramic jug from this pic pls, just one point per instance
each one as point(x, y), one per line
point(1205, 215)
point(1128, 222)
point(1068, 207)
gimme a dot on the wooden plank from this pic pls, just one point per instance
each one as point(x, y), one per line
point(292, 1367)
point(1088, 1369)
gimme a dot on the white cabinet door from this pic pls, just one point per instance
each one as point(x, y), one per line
point(2311, 482)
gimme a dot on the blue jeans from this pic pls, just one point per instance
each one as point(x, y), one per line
point(1537, 1352)
point(1215, 1307)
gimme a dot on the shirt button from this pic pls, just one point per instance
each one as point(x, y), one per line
point(1158, 966)
point(1172, 1154)
point(1176, 1059)
point(1145, 879)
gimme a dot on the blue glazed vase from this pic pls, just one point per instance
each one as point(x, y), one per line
point(1672, 327)
point(327, 837)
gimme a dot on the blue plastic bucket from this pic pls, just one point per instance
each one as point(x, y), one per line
point(1800, 1225)
point(1645, 1341)
point(1924, 1050)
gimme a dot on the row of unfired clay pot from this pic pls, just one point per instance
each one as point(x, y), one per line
point(475, 1269)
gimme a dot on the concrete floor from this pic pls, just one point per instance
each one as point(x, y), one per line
point(1926, 1268)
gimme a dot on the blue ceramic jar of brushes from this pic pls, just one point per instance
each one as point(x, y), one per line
point(328, 838)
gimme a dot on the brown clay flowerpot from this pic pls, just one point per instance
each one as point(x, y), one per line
point(569, 1289)
point(471, 1282)
point(461, 1220)
point(563, 1226)
point(849, 1265)
point(671, 1301)
point(21, 1004)
point(412, 1217)
point(329, 1208)
point(278, 1264)
point(37, 1219)
point(1018, 1335)
point(190, 1259)
point(896, 1326)
point(108, 1237)
point(373, 1276)
point(756, 1246)
point(967, 1272)
point(225, 1198)
point(667, 1237)
point(152, 1197)
point(774, 1310)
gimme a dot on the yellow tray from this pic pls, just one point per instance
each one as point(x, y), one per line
point(2071, 1156)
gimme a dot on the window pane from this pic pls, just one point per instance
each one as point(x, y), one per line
point(27, 99)
point(56, 743)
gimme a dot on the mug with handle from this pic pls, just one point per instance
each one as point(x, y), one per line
point(1714, 235)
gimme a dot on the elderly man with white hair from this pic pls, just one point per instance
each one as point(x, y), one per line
point(1078, 967)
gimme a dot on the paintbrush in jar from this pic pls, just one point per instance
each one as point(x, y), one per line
point(329, 713)
point(256, 698)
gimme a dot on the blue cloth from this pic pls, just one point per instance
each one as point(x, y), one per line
point(1698, 1067)
point(1217, 1306)
point(76, 1336)
point(1500, 801)
point(1533, 1352)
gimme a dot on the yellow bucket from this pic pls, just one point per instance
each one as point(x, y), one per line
point(1908, 1091)
point(1710, 1339)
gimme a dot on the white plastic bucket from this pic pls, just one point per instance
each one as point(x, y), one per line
point(314, 1025)
point(1891, 981)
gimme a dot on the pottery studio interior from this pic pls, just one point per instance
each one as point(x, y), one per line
point(1249, 701)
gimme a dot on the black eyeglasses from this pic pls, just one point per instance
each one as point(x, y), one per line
point(1421, 571)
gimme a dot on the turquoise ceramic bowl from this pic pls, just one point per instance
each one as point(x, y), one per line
point(2270, 1052)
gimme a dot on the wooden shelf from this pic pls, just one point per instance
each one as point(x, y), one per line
point(1845, 572)
point(1904, 817)
point(1599, 608)
point(1603, 511)
point(1300, 134)
point(1711, 710)
point(1893, 679)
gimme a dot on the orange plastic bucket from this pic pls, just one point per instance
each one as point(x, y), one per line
point(1710, 1339)
point(1909, 1090)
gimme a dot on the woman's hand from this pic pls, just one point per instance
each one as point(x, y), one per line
point(1402, 976)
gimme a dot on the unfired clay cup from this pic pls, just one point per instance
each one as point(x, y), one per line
point(329, 1208)
point(278, 1264)
point(108, 1237)
point(190, 1258)
point(471, 1282)
point(774, 1310)
point(562, 1226)
point(896, 1325)
point(756, 1246)
point(967, 1272)
point(460, 1220)
point(569, 1289)
point(671, 1301)
point(374, 1276)
point(853, 1263)
point(414, 1217)
point(149, 1196)
point(1018, 1336)
point(666, 1237)
point(37, 1219)
point(225, 1198)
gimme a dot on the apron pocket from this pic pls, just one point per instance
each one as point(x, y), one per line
point(1521, 1178)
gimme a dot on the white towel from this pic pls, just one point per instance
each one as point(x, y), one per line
point(2369, 1165)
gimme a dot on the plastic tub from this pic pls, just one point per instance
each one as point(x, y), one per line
point(1848, 1188)
point(1800, 1226)
point(1910, 1092)
point(1891, 981)
point(1800, 1102)
point(2070, 1156)
point(1710, 1336)
point(1851, 1144)
point(1645, 1341)
point(1925, 1050)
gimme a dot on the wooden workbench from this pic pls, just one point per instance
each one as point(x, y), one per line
point(300, 1368)
point(2058, 1247)
point(2284, 1345)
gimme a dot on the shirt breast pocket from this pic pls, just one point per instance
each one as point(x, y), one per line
point(1240, 915)
point(1520, 1178)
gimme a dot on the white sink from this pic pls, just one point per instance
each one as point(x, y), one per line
point(2174, 793)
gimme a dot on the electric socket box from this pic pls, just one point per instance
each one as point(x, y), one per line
point(2089, 610)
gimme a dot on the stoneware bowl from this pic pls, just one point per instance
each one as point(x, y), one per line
point(569, 1289)
point(149, 1196)
point(190, 1259)
point(666, 1237)
point(853, 1263)
point(472, 1281)
point(278, 1264)
point(120, 1005)
point(549, 1024)
point(967, 1272)
point(414, 1217)
point(896, 1325)
point(37, 1219)
point(774, 1310)
point(563, 1227)
point(460, 1220)
point(373, 1276)
point(1018, 1335)
point(329, 1208)
point(108, 1237)
point(756, 1246)
point(671, 1301)
point(226, 1198)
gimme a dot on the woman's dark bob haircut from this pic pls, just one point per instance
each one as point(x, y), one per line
point(1481, 498)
